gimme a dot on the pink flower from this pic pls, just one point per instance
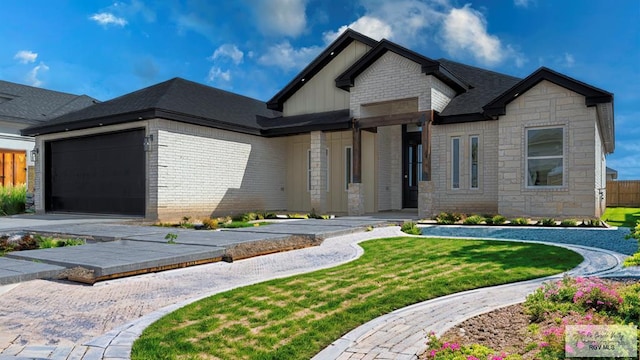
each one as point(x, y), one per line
point(543, 344)
point(471, 357)
point(455, 346)
point(446, 345)
point(580, 345)
point(568, 349)
point(433, 353)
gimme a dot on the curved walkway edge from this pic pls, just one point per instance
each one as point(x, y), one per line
point(402, 334)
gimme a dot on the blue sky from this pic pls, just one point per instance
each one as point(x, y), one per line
point(254, 47)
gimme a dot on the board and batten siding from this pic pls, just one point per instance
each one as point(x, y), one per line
point(298, 197)
point(320, 94)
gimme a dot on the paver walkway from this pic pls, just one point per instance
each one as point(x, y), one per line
point(58, 320)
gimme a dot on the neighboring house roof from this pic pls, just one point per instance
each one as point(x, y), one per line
point(612, 172)
point(31, 105)
point(176, 99)
point(429, 66)
point(346, 38)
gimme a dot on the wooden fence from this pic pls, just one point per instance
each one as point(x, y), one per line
point(623, 193)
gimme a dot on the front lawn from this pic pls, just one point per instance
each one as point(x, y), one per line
point(296, 317)
point(622, 216)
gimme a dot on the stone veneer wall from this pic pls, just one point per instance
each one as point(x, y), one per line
point(482, 200)
point(547, 104)
point(203, 171)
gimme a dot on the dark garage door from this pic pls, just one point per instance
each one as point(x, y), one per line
point(96, 174)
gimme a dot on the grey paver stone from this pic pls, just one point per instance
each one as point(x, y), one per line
point(118, 351)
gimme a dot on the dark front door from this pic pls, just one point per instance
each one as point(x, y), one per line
point(412, 168)
point(96, 174)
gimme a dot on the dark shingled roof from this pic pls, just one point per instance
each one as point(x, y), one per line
point(297, 124)
point(176, 99)
point(31, 105)
point(485, 85)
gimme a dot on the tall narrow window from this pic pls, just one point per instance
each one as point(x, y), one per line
point(455, 163)
point(545, 157)
point(326, 169)
point(348, 166)
point(474, 161)
point(309, 170)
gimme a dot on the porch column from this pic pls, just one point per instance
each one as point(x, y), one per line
point(356, 190)
point(318, 174)
point(426, 187)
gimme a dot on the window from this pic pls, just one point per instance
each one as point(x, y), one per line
point(545, 157)
point(309, 170)
point(348, 166)
point(455, 163)
point(473, 140)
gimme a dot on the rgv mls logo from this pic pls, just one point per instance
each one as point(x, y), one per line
point(596, 341)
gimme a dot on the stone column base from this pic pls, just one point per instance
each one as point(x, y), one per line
point(356, 199)
point(426, 196)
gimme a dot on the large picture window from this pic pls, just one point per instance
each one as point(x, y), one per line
point(455, 163)
point(545, 157)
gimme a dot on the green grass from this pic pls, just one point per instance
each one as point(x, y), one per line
point(621, 216)
point(12, 199)
point(241, 224)
point(296, 317)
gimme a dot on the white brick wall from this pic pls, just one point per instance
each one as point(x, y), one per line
point(547, 104)
point(204, 171)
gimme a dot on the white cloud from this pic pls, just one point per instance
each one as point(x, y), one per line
point(282, 17)
point(32, 76)
point(228, 50)
point(283, 55)
point(407, 22)
point(523, 3)
point(569, 61)
point(465, 32)
point(26, 56)
point(216, 73)
point(105, 19)
point(367, 25)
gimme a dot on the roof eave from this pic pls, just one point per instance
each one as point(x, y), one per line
point(49, 128)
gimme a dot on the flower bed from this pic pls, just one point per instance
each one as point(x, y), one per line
point(548, 312)
point(446, 218)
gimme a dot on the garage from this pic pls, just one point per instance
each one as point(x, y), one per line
point(102, 174)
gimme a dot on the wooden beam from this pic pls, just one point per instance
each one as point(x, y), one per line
point(426, 146)
point(357, 154)
point(388, 120)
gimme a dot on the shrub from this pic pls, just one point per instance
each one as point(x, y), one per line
point(209, 224)
point(473, 220)
point(592, 293)
point(591, 223)
point(445, 218)
point(633, 260)
point(630, 308)
point(436, 349)
point(47, 242)
point(635, 232)
point(519, 221)
point(410, 228)
point(568, 223)
point(498, 220)
point(12, 199)
point(547, 222)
